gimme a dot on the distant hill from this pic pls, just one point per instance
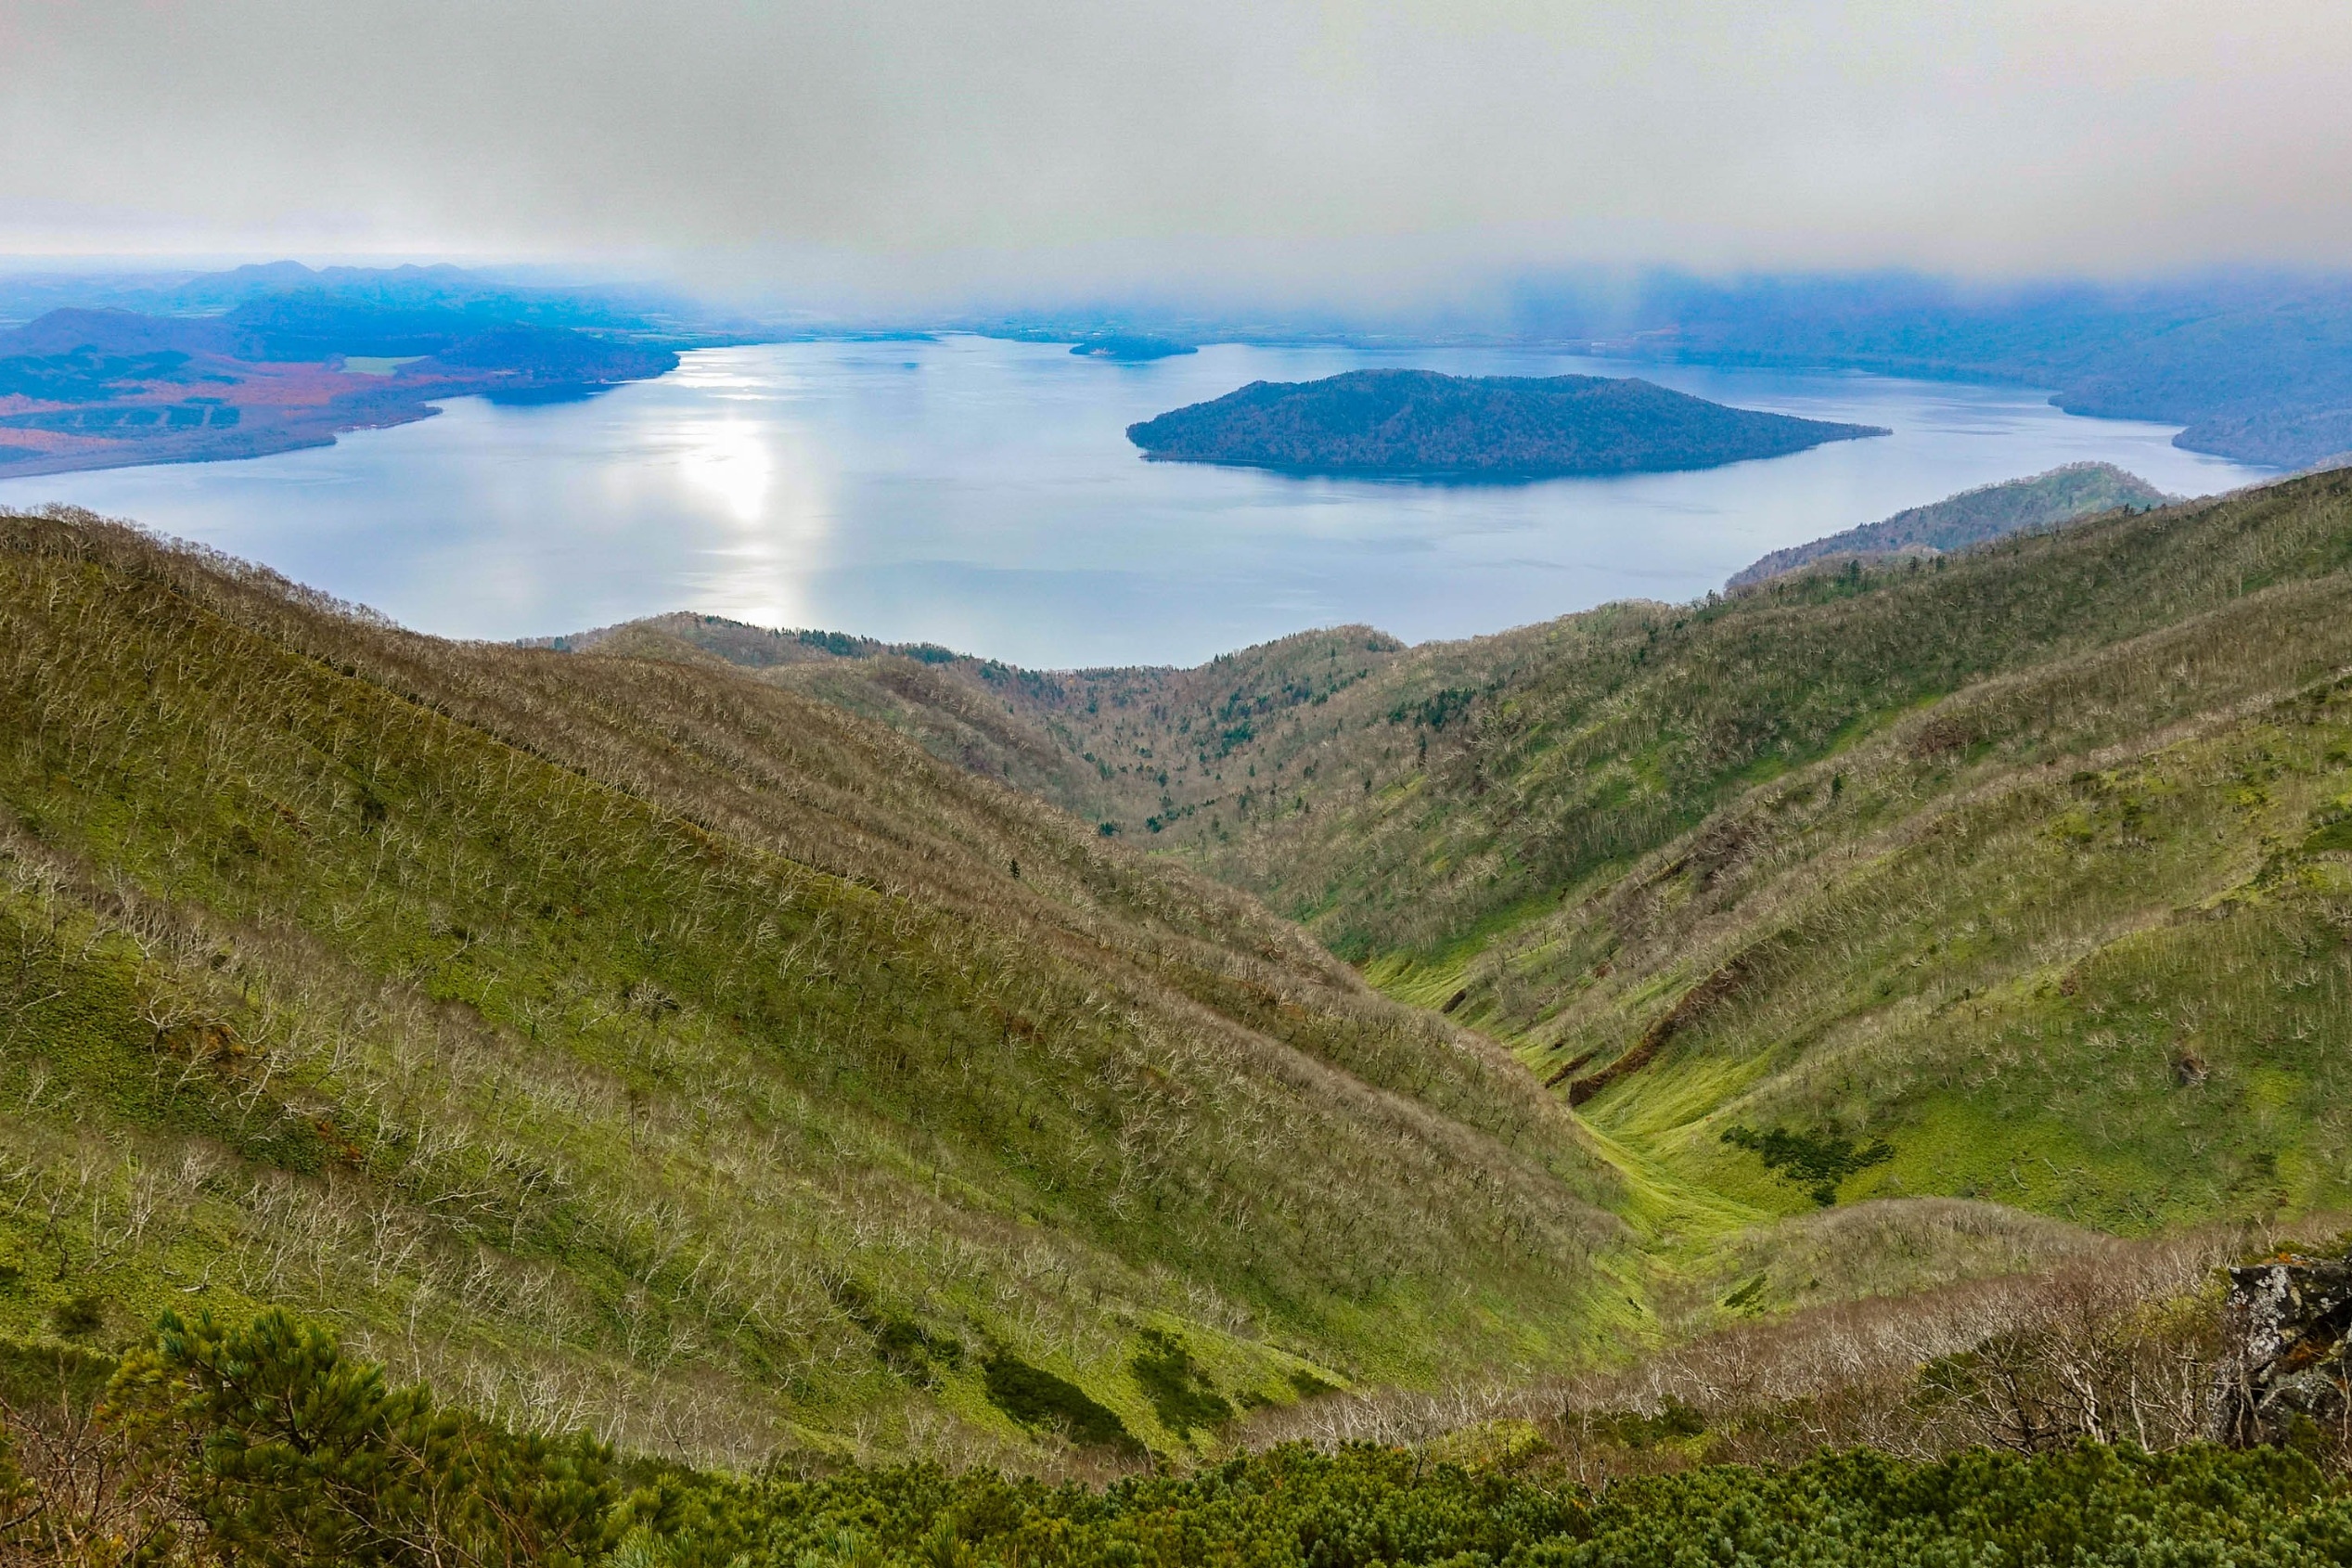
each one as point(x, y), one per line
point(2286, 437)
point(1974, 516)
point(26, 296)
point(112, 331)
point(107, 388)
point(2257, 368)
point(1418, 422)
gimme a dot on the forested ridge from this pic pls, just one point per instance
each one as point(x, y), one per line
point(1972, 516)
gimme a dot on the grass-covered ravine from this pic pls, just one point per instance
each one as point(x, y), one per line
point(1844, 1014)
point(630, 1045)
point(2017, 874)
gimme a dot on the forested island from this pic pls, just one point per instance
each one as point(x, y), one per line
point(1134, 347)
point(1411, 423)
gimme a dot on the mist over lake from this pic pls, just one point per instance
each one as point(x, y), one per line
point(982, 494)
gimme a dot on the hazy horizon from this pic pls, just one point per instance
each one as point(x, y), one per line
point(1567, 303)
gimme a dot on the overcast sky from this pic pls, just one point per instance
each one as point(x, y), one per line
point(933, 142)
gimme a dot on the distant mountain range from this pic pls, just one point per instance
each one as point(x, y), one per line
point(24, 296)
point(1972, 517)
point(2257, 368)
point(1422, 423)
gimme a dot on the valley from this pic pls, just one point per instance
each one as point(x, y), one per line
point(944, 786)
point(624, 1043)
point(2017, 862)
point(735, 1041)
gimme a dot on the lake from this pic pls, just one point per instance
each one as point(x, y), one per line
point(982, 495)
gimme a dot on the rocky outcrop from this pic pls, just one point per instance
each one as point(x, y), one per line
point(2288, 1328)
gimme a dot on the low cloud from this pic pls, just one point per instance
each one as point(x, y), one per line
point(914, 144)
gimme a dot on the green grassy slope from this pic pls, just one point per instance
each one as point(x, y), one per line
point(1410, 803)
point(2027, 865)
point(2074, 940)
point(626, 1041)
point(2026, 861)
point(1141, 751)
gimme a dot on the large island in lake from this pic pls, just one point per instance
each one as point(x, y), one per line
point(1408, 423)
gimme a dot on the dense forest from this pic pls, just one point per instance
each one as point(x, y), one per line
point(1130, 347)
point(2256, 366)
point(1490, 427)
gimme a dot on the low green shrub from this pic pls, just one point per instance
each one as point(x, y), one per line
point(1035, 1397)
point(263, 1443)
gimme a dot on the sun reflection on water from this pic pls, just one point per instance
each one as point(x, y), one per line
point(775, 513)
point(729, 461)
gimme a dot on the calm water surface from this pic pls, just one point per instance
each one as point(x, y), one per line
point(982, 495)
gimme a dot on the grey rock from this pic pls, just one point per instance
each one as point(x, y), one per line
point(2288, 1332)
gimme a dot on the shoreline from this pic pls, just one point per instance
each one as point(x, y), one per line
point(263, 442)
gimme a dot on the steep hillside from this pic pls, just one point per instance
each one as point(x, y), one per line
point(1139, 750)
point(624, 1041)
point(1972, 516)
point(2017, 874)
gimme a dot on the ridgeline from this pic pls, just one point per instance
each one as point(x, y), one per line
point(1972, 516)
